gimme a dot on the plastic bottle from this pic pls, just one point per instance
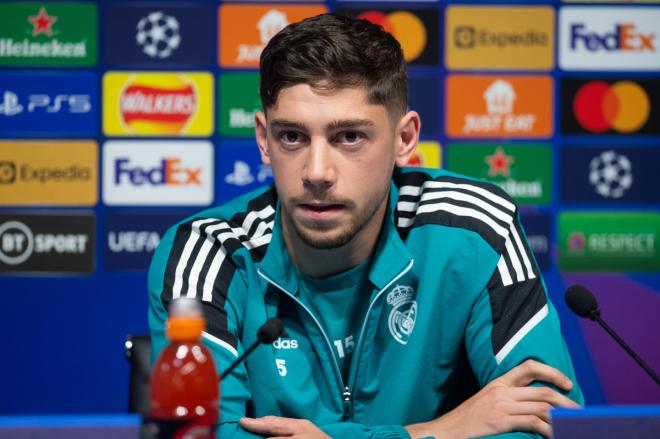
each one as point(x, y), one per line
point(184, 391)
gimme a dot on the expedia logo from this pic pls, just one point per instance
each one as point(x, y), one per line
point(625, 37)
point(7, 172)
point(170, 109)
point(469, 37)
point(46, 243)
point(416, 30)
point(52, 174)
point(158, 104)
point(501, 37)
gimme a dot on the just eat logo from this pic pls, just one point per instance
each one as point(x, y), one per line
point(168, 172)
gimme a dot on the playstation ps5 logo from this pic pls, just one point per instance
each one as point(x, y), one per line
point(403, 315)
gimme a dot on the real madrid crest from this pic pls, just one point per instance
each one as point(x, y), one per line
point(403, 314)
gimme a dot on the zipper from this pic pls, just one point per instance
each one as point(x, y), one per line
point(344, 390)
point(348, 402)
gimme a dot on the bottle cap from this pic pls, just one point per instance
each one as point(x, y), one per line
point(186, 321)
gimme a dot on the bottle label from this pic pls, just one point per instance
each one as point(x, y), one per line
point(196, 428)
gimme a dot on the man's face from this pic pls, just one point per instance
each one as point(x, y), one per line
point(332, 155)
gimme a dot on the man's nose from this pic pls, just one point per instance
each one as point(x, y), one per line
point(319, 167)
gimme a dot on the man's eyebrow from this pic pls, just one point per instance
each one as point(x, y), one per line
point(282, 123)
point(350, 123)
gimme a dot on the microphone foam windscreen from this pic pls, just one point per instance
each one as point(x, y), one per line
point(581, 301)
point(271, 330)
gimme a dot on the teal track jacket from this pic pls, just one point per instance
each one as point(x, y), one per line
point(457, 300)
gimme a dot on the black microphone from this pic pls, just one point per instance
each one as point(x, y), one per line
point(268, 333)
point(583, 303)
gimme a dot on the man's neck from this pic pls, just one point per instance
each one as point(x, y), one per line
point(320, 263)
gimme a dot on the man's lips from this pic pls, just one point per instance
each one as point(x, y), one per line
point(320, 210)
point(320, 207)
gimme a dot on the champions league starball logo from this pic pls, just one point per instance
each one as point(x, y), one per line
point(404, 313)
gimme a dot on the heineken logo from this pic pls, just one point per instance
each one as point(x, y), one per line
point(42, 23)
point(522, 170)
point(499, 163)
point(48, 34)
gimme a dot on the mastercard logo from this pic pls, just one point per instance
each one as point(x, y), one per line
point(623, 106)
point(405, 26)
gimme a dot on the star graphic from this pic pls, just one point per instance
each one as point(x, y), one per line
point(499, 163)
point(42, 23)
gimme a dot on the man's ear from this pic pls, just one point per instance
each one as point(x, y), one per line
point(407, 137)
point(261, 134)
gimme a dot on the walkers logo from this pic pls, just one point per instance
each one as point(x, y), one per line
point(130, 239)
point(609, 38)
point(239, 100)
point(427, 155)
point(609, 241)
point(499, 106)
point(48, 173)
point(241, 170)
point(47, 34)
point(160, 34)
point(424, 98)
point(610, 106)
point(157, 173)
point(610, 175)
point(500, 37)
point(537, 230)
point(246, 29)
point(416, 30)
point(47, 243)
point(44, 104)
point(158, 104)
point(523, 170)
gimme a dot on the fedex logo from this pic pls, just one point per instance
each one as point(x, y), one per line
point(170, 171)
point(609, 38)
point(625, 37)
point(158, 173)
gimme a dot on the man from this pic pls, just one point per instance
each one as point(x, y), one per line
point(402, 291)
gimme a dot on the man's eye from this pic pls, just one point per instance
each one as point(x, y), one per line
point(350, 137)
point(290, 137)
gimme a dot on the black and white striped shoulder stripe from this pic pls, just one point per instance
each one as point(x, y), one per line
point(199, 264)
point(455, 202)
point(487, 210)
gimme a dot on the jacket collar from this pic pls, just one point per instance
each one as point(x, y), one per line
point(390, 258)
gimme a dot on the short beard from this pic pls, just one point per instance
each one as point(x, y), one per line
point(354, 228)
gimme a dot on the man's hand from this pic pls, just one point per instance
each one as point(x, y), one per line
point(276, 427)
point(505, 404)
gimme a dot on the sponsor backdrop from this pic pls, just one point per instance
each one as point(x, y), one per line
point(119, 118)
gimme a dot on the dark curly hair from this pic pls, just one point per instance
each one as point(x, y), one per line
point(334, 51)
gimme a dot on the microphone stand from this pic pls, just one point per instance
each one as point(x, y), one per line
point(595, 315)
